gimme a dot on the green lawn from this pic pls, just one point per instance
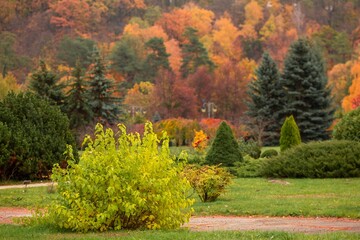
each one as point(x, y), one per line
point(11, 232)
point(248, 196)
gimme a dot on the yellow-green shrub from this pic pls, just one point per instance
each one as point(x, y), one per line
point(129, 182)
point(209, 182)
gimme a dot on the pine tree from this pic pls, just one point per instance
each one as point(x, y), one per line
point(194, 54)
point(77, 106)
point(225, 149)
point(290, 134)
point(306, 95)
point(264, 101)
point(45, 84)
point(158, 58)
point(101, 99)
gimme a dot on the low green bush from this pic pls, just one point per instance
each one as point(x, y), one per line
point(250, 148)
point(209, 182)
point(327, 159)
point(348, 128)
point(121, 182)
point(269, 153)
point(249, 168)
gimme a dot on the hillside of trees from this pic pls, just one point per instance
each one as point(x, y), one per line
point(131, 60)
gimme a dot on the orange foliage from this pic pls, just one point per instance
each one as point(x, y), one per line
point(172, 48)
point(200, 141)
point(224, 36)
point(338, 80)
point(145, 34)
point(253, 13)
point(141, 95)
point(354, 89)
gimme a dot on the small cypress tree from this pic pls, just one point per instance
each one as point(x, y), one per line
point(225, 149)
point(290, 134)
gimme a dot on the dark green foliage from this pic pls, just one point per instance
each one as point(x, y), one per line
point(269, 153)
point(265, 95)
point(194, 54)
point(45, 84)
point(290, 134)
point(327, 159)
point(72, 50)
point(127, 61)
point(104, 105)
point(77, 106)
point(33, 136)
point(225, 149)
point(158, 58)
point(349, 126)
point(250, 148)
point(306, 95)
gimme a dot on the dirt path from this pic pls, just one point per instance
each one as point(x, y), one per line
point(214, 223)
point(28, 185)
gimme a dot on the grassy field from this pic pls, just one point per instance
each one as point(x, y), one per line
point(39, 233)
point(248, 196)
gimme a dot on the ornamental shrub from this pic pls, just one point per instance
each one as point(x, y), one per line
point(269, 153)
point(250, 148)
point(349, 126)
point(122, 182)
point(209, 182)
point(33, 136)
point(290, 134)
point(327, 159)
point(224, 149)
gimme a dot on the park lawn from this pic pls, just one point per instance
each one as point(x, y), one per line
point(301, 197)
point(247, 196)
point(42, 232)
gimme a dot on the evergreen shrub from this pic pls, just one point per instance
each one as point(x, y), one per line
point(290, 134)
point(250, 148)
point(224, 149)
point(209, 182)
point(269, 153)
point(349, 127)
point(122, 182)
point(33, 136)
point(327, 159)
point(250, 167)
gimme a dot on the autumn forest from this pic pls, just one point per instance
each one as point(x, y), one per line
point(172, 58)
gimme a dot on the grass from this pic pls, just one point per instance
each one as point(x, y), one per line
point(302, 197)
point(248, 196)
point(10, 232)
point(29, 197)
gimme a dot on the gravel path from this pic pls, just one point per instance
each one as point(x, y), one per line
point(222, 223)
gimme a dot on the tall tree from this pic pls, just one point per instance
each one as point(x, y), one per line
point(264, 101)
point(45, 84)
point(103, 103)
point(194, 54)
point(306, 95)
point(77, 106)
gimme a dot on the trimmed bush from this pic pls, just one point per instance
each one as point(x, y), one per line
point(209, 182)
point(125, 182)
point(290, 134)
point(328, 159)
point(269, 153)
point(349, 127)
point(250, 148)
point(33, 136)
point(250, 167)
point(224, 149)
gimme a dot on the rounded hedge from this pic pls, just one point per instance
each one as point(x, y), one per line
point(33, 136)
point(349, 127)
point(327, 159)
point(269, 153)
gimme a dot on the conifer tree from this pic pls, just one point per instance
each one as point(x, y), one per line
point(290, 134)
point(101, 99)
point(306, 95)
point(77, 106)
point(194, 54)
point(158, 58)
point(225, 149)
point(45, 84)
point(264, 101)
